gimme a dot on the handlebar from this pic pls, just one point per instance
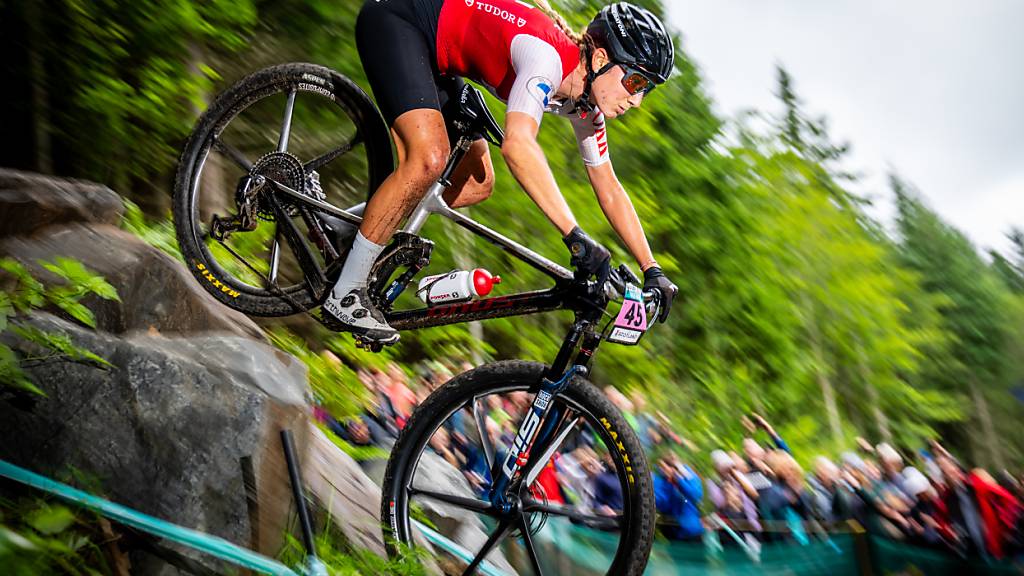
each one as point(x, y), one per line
point(615, 289)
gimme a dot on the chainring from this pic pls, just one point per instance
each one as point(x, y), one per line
point(405, 250)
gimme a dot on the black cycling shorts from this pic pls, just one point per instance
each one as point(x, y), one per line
point(397, 42)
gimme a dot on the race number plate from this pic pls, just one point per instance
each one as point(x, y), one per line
point(631, 323)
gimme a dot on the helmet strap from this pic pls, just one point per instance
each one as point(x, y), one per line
point(582, 105)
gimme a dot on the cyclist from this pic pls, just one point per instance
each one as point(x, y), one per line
point(415, 54)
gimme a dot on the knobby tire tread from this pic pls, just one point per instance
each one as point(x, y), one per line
point(633, 552)
point(263, 302)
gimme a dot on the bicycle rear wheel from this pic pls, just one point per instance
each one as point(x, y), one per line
point(302, 125)
point(590, 510)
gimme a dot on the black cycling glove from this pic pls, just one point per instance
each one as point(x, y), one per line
point(587, 256)
point(655, 279)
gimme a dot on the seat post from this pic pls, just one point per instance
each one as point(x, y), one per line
point(454, 159)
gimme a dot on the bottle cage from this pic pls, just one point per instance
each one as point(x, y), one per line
point(474, 120)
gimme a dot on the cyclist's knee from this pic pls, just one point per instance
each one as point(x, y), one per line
point(423, 167)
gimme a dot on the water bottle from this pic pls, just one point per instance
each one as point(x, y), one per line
point(456, 286)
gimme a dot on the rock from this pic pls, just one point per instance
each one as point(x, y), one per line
point(170, 428)
point(156, 291)
point(462, 526)
point(349, 496)
point(30, 202)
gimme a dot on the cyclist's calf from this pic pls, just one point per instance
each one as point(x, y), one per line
point(473, 180)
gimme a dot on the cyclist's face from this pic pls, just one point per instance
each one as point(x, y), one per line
point(611, 95)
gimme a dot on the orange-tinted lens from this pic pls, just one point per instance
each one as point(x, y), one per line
point(635, 82)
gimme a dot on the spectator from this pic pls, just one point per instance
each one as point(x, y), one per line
point(403, 400)
point(824, 489)
point(929, 522)
point(607, 489)
point(731, 493)
point(891, 468)
point(999, 510)
point(677, 495)
point(962, 505)
point(785, 504)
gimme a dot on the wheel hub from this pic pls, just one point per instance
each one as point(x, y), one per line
point(284, 168)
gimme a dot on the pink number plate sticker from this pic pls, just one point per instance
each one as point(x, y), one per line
point(631, 323)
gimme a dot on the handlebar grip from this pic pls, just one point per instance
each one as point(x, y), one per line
point(652, 302)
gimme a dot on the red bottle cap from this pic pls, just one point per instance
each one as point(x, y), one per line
point(483, 282)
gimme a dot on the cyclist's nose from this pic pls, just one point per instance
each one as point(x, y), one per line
point(636, 99)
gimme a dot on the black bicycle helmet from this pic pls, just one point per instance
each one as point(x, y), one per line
point(635, 37)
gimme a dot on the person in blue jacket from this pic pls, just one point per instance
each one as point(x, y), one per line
point(678, 491)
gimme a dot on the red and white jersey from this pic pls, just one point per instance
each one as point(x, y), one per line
point(518, 53)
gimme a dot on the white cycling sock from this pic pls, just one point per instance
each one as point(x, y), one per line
point(357, 266)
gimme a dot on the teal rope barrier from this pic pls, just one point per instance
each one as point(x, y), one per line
point(441, 541)
point(212, 545)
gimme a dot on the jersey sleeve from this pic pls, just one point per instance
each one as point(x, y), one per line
point(591, 137)
point(538, 74)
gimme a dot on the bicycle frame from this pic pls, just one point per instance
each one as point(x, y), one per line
point(561, 296)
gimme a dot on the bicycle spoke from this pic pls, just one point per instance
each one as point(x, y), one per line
point(524, 526)
point(481, 426)
point(286, 126)
point(324, 159)
point(275, 257)
point(596, 520)
point(473, 504)
point(534, 468)
point(233, 153)
point(492, 541)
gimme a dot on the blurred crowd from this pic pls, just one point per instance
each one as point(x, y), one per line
point(746, 498)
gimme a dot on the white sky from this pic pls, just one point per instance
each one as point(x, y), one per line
point(933, 89)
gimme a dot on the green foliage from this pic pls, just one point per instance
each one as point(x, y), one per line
point(334, 384)
point(343, 559)
point(37, 537)
point(358, 453)
point(159, 233)
point(27, 294)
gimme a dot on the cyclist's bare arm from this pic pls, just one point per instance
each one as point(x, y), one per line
point(526, 161)
point(618, 208)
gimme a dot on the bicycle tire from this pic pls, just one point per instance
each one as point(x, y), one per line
point(637, 536)
point(225, 287)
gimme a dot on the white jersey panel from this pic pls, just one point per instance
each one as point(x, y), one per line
point(538, 75)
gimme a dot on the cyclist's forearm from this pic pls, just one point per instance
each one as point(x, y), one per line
point(621, 214)
point(526, 161)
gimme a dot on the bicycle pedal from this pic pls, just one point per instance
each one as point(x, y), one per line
point(368, 345)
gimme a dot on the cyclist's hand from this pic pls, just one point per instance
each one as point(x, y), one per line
point(587, 256)
point(655, 279)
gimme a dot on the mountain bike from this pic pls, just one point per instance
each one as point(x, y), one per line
point(265, 211)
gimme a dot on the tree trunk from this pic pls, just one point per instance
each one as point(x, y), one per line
point(828, 393)
point(995, 451)
point(41, 123)
point(881, 420)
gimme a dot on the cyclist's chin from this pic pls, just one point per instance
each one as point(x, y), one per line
point(613, 110)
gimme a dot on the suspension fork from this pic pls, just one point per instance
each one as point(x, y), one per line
point(542, 417)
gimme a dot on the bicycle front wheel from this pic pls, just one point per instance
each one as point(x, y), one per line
point(588, 508)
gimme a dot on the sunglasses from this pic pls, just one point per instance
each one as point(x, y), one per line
point(633, 80)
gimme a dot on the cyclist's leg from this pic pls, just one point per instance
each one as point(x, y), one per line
point(473, 179)
point(398, 61)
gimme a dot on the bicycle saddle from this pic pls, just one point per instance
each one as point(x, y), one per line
point(474, 119)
